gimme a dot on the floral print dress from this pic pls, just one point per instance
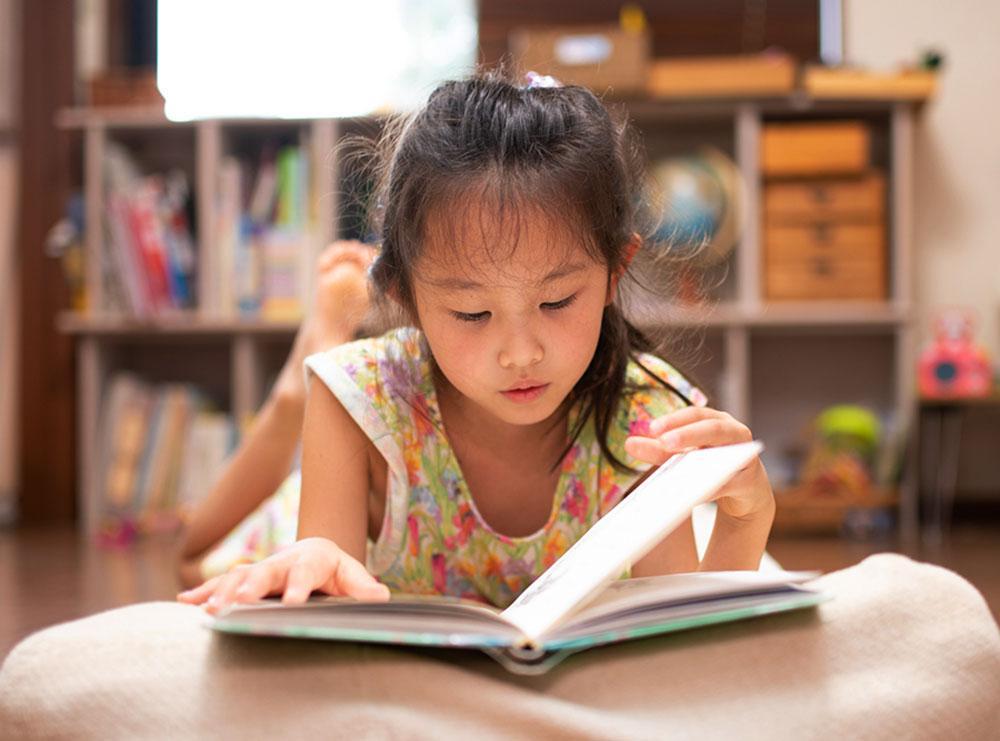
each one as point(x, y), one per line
point(433, 539)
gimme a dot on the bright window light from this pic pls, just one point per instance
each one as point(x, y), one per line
point(308, 58)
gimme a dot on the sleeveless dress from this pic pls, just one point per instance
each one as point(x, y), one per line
point(433, 539)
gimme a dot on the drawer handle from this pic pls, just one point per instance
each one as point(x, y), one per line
point(823, 230)
point(822, 267)
point(821, 195)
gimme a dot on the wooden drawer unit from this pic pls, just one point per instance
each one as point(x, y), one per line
point(814, 149)
point(825, 278)
point(855, 199)
point(825, 239)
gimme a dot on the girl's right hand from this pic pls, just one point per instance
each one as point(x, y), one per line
point(310, 564)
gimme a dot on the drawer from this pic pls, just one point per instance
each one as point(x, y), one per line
point(825, 278)
point(826, 148)
point(845, 240)
point(843, 199)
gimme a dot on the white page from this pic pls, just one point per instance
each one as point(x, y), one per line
point(627, 533)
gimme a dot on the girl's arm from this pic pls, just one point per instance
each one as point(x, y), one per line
point(738, 540)
point(263, 460)
point(332, 520)
point(254, 473)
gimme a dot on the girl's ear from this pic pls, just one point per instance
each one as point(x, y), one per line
point(628, 254)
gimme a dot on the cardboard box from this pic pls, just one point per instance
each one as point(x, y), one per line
point(599, 57)
point(741, 76)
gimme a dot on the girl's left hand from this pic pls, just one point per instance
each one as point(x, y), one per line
point(747, 495)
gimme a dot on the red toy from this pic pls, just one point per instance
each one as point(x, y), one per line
point(953, 365)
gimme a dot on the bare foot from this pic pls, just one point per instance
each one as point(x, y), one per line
point(341, 302)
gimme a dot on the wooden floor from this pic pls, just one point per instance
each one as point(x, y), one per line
point(52, 575)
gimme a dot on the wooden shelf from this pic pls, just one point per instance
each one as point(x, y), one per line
point(115, 117)
point(640, 108)
point(773, 365)
point(800, 511)
point(786, 314)
point(185, 324)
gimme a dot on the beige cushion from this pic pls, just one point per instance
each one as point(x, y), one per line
point(905, 650)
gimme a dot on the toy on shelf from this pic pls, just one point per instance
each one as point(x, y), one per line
point(837, 491)
point(842, 453)
point(953, 365)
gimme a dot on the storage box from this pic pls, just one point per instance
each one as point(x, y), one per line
point(824, 199)
point(825, 262)
point(746, 75)
point(598, 57)
point(124, 87)
point(804, 149)
point(825, 239)
point(845, 83)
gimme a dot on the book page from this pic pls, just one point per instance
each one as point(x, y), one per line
point(406, 619)
point(626, 534)
point(627, 596)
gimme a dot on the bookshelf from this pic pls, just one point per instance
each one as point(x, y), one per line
point(772, 364)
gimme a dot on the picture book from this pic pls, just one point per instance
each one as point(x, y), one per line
point(580, 601)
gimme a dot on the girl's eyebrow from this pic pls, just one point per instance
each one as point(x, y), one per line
point(460, 284)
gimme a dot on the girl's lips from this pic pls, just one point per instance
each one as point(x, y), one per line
point(525, 395)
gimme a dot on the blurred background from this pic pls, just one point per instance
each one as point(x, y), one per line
point(822, 177)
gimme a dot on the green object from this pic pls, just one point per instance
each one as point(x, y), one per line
point(847, 423)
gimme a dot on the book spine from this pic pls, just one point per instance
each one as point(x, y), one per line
point(146, 230)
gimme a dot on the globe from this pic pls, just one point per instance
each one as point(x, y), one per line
point(697, 200)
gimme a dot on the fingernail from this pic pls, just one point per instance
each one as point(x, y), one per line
point(656, 426)
point(671, 440)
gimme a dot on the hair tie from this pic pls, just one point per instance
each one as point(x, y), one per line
point(536, 80)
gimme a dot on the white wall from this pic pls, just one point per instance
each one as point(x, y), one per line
point(957, 193)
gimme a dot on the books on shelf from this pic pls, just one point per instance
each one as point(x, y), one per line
point(578, 602)
point(161, 450)
point(263, 234)
point(150, 254)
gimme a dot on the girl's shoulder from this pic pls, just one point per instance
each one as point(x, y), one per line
point(397, 360)
point(380, 375)
point(653, 388)
point(648, 376)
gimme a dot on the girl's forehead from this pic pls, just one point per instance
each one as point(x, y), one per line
point(480, 245)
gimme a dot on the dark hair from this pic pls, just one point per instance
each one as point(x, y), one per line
point(518, 147)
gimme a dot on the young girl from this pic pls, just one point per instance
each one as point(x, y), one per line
point(462, 455)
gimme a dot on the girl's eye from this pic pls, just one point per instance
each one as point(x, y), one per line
point(551, 305)
point(465, 317)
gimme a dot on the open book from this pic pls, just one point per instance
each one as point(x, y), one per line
point(578, 602)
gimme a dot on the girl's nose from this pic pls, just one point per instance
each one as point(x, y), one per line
point(520, 350)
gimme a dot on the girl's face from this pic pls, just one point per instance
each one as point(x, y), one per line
point(512, 329)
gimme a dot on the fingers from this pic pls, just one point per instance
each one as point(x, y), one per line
point(647, 449)
point(682, 417)
point(294, 573)
point(691, 427)
point(354, 580)
point(303, 578)
point(199, 594)
point(348, 578)
point(228, 586)
point(261, 582)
